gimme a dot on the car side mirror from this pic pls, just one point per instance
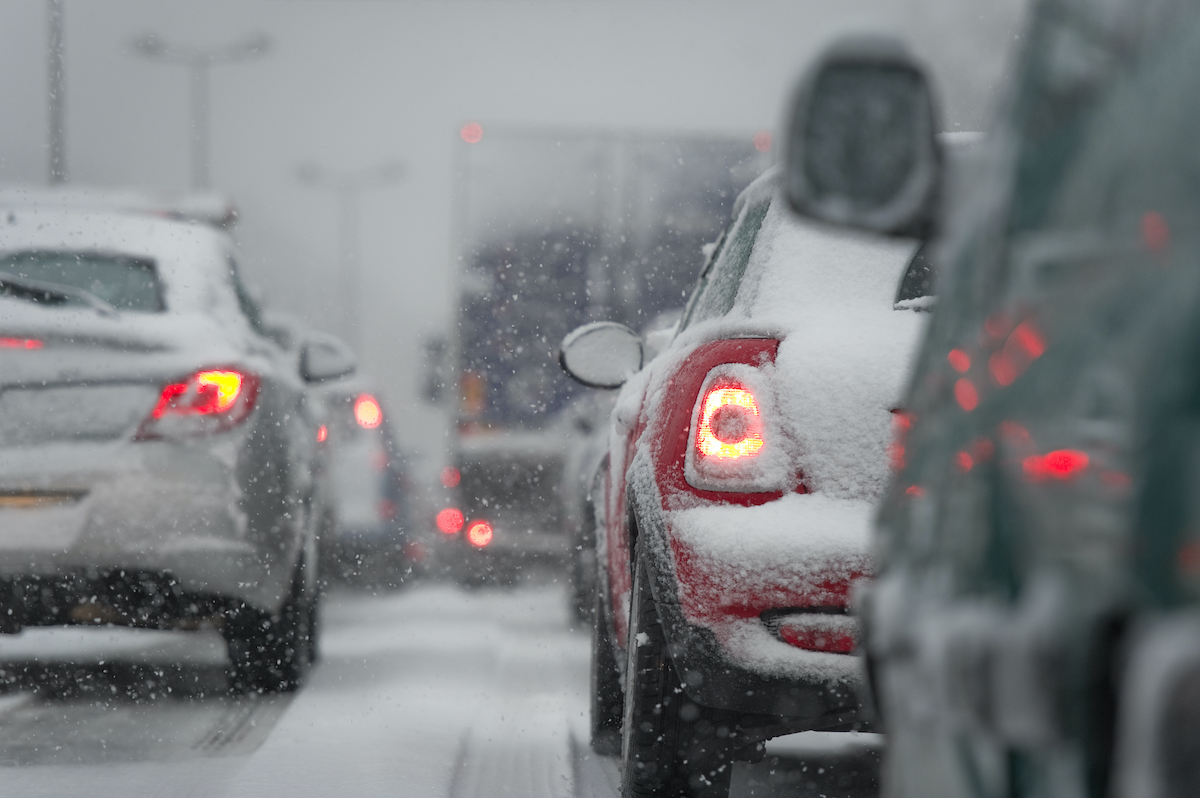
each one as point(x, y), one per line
point(602, 354)
point(861, 147)
point(324, 358)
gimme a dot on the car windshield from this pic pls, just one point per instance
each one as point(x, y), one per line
point(125, 282)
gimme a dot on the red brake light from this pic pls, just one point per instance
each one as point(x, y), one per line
point(729, 447)
point(208, 401)
point(450, 520)
point(20, 343)
point(960, 361)
point(367, 412)
point(322, 433)
point(1059, 464)
point(730, 425)
point(479, 533)
point(451, 476)
point(472, 132)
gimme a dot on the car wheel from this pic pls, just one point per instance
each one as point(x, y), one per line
point(272, 653)
point(670, 746)
point(583, 570)
point(607, 699)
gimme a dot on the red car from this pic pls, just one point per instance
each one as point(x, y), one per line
point(743, 467)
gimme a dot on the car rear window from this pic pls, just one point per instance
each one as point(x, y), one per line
point(719, 286)
point(123, 281)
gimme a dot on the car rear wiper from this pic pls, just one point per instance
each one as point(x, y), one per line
point(51, 293)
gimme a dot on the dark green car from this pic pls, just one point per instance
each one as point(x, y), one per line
point(1034, 628)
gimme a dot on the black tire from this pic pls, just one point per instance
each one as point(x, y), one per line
point(272, 653)
point(671, 747)
point(583, 570)
point(607, 704)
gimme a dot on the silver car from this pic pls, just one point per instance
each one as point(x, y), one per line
point(156, 446)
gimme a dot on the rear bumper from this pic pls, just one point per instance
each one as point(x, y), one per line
point(168, 511)
point(727, 657)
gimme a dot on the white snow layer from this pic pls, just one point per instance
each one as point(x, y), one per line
point(828, 295)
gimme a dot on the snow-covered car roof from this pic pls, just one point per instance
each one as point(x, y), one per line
point(207, 207)
point(189, 258)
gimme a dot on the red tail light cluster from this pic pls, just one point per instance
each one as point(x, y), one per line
point(367, 411)
point(730, 424)
point(729, 447)
point(1059, 464)
point(20, 343)
point(450, 520)
point(479, 533)
point(205, 402)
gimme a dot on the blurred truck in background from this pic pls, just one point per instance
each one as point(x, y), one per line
point(556, 229)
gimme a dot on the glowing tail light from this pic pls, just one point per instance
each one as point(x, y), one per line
point(479, 534)
point(730, 426)
point(1060, 464)
point(367, 411)
point(450, 520)
point(213, 400)
point(20, 343)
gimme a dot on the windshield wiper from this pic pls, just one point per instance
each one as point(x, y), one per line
point(51, 293)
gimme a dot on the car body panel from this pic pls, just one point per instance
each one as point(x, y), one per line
point(808, 314)
point(222, 515)
point(1046, 512)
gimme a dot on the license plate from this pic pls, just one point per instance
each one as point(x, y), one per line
point(31, 500)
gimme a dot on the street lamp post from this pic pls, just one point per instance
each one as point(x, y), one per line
point(348, 187)
point(199, 62)
point(58, 134)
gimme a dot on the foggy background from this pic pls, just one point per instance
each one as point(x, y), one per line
point(350, 84)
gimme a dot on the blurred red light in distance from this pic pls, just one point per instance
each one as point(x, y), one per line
point(1030, 339)
point(916, 491)
point(966, 395)
point(730, 425)
point(960, 361)
point(1156, 235)
point(322, 433)
point(1059, 464)
point(1188, 558)
point(479, 533)
point(762, 141)
point(964, 462)
point(451, 476)
point(472, 132)
point(20, 343)
point(450, 520)
point(1003, 370)
point(367, 412)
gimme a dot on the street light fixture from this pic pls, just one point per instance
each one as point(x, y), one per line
point(348, 186)
point(199, 62)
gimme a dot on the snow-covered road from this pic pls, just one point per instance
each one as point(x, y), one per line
point(430, 691)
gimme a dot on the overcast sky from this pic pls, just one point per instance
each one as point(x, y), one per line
point(351, 83)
